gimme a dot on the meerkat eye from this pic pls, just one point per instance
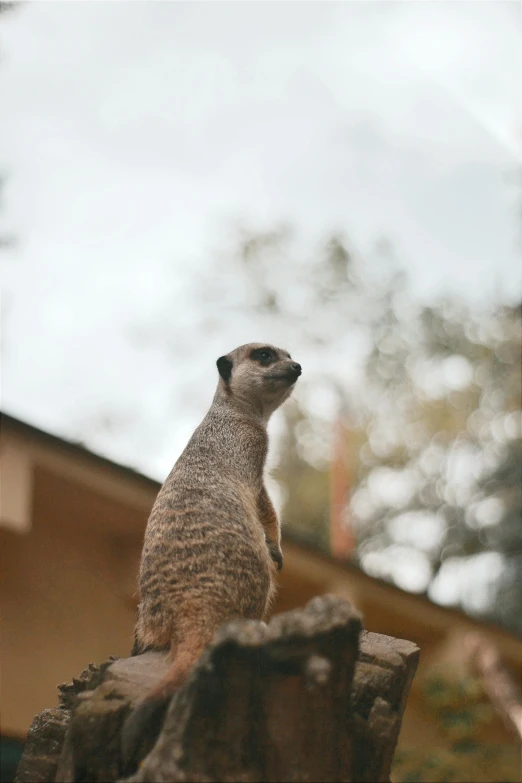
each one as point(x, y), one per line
point(263, 355)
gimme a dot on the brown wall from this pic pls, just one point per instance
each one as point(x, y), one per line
point(63, 603)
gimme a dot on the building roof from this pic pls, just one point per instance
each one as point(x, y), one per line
point(417, 603)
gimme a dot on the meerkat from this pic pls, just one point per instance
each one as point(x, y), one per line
point(213, 542)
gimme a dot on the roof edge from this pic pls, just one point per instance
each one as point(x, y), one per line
point(292, 535)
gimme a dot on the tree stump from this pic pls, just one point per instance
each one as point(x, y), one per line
point(308, 697)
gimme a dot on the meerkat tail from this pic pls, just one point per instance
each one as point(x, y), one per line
point(149, 713)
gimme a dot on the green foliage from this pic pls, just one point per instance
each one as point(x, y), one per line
point(463, 713)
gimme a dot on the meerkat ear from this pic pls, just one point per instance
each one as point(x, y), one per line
point(224, 366)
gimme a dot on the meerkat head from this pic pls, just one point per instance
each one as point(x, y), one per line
point(258, 376)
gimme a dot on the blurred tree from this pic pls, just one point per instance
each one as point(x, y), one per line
point(7, 6)
point(430, 396)
point(7, 240)
point(446, 482)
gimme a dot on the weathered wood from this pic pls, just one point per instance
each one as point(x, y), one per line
point(383, 674)
point(43, 747)
point(272, 699)
point(46, 735)
point(308, 697)
point(92, 750)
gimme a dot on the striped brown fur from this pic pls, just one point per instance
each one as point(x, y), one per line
point(213, 537)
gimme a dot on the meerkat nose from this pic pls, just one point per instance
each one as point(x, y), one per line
point(296, 369)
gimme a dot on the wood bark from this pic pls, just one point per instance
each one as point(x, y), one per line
point(308, 697)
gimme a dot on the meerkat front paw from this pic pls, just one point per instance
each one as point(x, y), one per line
point(275, 552)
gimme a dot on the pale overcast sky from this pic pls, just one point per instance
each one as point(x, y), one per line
point(133, 131)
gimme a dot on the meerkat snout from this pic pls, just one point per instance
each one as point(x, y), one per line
point(285, 370)
point(295, 370)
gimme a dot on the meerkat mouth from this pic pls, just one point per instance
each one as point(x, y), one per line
point(289, 377)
